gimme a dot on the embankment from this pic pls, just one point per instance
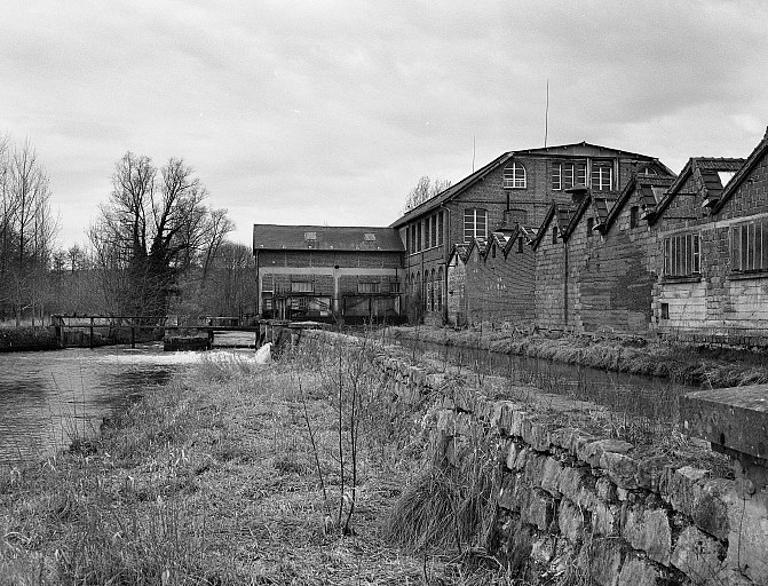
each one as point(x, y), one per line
point(704, 366)
point(27, 338)
point(553, 490)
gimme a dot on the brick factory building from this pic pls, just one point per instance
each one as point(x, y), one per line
point(515, 188)
point(328, 272)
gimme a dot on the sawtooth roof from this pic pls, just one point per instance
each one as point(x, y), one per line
point(338, 238)
point(742, 174)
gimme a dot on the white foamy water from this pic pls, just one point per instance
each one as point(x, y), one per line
point(128, 358)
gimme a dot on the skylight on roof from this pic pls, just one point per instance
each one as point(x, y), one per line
point(725, 177)
point(369, 237)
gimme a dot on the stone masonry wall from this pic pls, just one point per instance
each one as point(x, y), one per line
point(622, 514)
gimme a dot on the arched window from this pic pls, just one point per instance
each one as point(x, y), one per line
point(514, 176)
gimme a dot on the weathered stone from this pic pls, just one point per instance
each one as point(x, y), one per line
point(572, 481)
point(638, 572)
point(536, 435)
point(648, 530)
point(626, 472)
point(592, 452)
point(690, 492)
point(605, 489)
point(534, 467)
point(512, 454)
point(550, 476)
point(700, 557)
point(604, 558)
point(748, 535)
point(507, 493)
point(561, 437)
point(501, 419)
point(540, 510)
point(570, 520)
point(521, 422)
point(605, 519)
point(522, 459)
point(578, 440)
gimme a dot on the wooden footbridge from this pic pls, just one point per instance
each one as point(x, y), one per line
point(129, 329)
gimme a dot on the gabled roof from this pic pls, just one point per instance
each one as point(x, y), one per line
point(704, 168)
point(576, 149)
point(650, 189)
point(451, 192)
point(561, 215)
point(461, 250)
point(480, 243)
point(742, 174)
point(338, 238)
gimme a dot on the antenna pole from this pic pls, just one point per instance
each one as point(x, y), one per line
point(546, 117)
point(473, 152)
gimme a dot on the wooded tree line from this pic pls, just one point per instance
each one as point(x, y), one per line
point(156, 246)
point(27, 231)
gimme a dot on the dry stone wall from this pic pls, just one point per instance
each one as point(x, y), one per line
point(571, 500)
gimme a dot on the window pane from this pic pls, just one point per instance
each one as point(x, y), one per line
point(557, 176)
point(744, 246)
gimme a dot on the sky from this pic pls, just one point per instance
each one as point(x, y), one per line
point(328, 112)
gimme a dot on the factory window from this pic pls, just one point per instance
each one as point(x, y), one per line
point(515, 176)
point(475, 223)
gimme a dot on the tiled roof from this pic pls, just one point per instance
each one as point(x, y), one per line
point(650, 190)
point(707, 169)
point(742, 173)
point(308, 237)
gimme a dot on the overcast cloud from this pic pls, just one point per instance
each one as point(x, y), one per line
point(328, 112)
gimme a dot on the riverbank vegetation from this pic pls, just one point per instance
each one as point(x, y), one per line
point(233, 474)
point(704, 366)
point(14, 339)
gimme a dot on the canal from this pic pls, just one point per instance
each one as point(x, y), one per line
point(636, 396)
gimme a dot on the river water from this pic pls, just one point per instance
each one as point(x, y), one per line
point(47, 397)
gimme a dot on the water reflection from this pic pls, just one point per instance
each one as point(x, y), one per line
point(47, 397)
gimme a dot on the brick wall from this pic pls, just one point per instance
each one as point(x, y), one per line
point(719, 304)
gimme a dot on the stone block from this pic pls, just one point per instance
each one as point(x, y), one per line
point(690, 492)
point(573, 480)
point(648, 530)
point(562, 437)
point(748, 535)
point(700, 557)
point(592, 452)
point(507, 493)
point(605, 519)
point(539, 510)
point(536, 435)
point(604, 559)
point(626, 472)
point(512, 453)
point(570, 520)
point(605, 489)
point(638, 572)
point(550, 476)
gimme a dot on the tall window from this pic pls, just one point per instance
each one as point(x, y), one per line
point(302, 287)
point(682, 256)
point(514, 176)
point(418, 236)
point(440, 229)
point(565, 175)
point(749, 246)
point(434, 231)
point(475, 223)
point(634, 214)
point(602, 175)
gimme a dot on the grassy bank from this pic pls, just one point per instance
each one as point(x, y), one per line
point(13, 339)
point(698, 366)
point(232, 474)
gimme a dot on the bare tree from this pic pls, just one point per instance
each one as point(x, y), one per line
point(424, 189)
point(154, 227)
point(27, 231)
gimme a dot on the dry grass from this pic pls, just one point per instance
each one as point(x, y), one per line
point(214, 480)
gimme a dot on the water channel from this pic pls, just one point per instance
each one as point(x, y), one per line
point(652, 397)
